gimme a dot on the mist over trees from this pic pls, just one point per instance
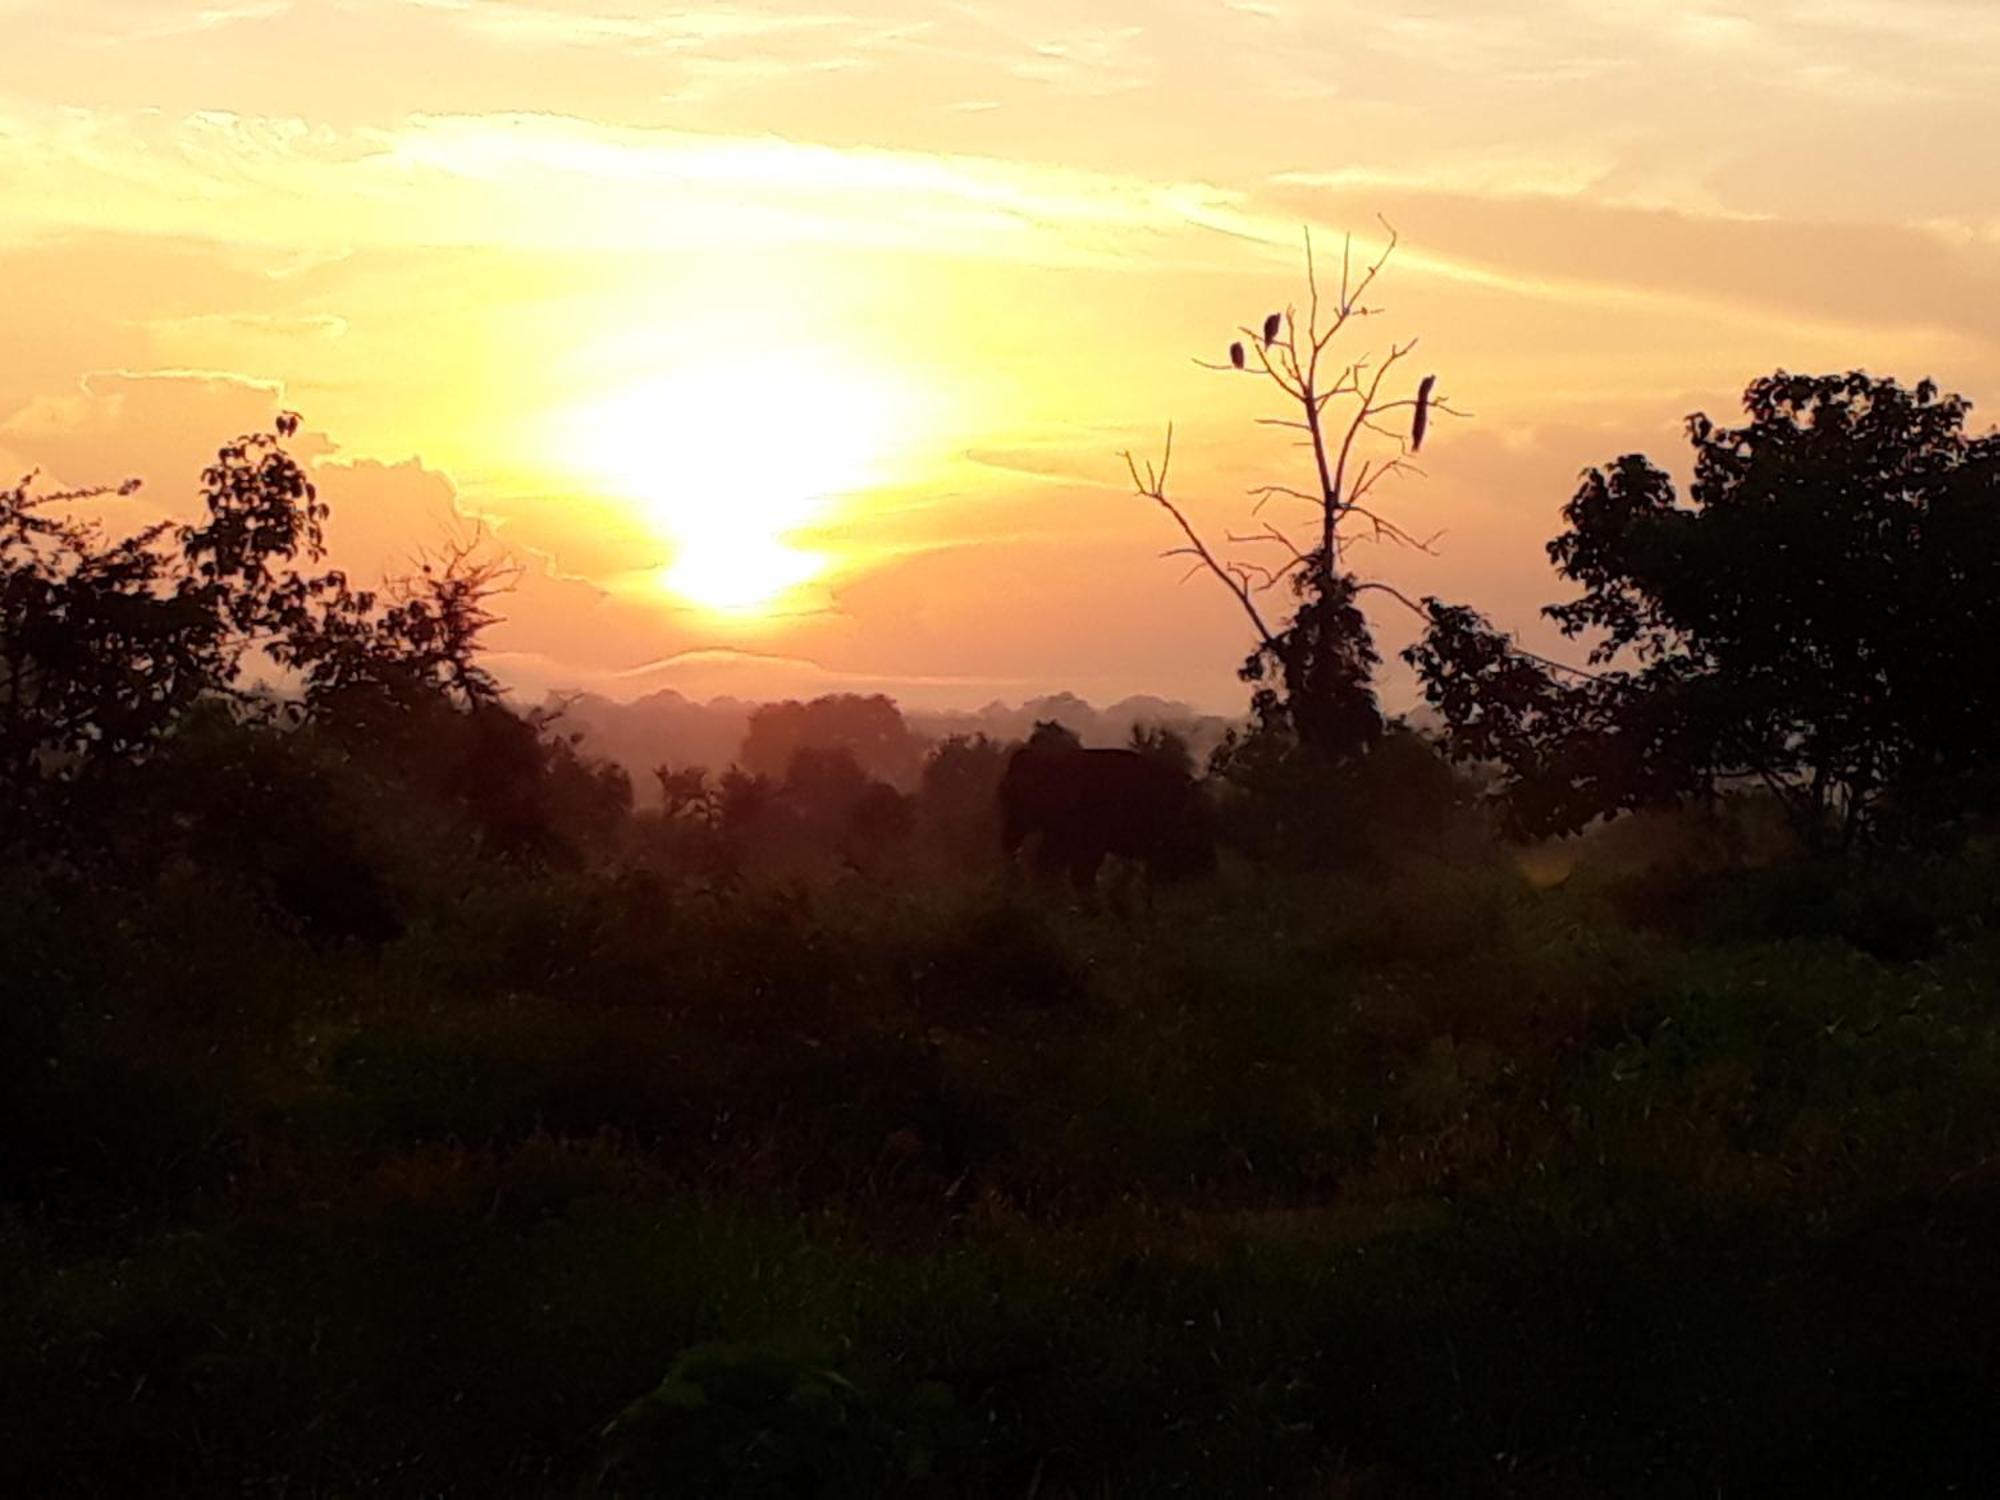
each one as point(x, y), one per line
point(711, 735)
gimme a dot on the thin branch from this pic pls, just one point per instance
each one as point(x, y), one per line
point(1312, 283)
point(1266, 493)
point(1229, 576)
point(1271, 534)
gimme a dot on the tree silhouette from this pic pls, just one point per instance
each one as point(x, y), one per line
point(870, 728)
point(105, 642)
point(1816, 618)
point(1315, 670)
point(958, 802)
point(109, 645)
point(368, 661)
point(98, 648)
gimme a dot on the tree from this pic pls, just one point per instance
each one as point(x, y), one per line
point(374, 664)
point(1816, 619)
point(870, 728)
point(97, 649)
point(109, 646)
point(958, 803)
point(824, 786)
point(1315, 670)
point(105, 643)
point(686, 795)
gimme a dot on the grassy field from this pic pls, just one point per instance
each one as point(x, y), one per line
point(1419, 1182)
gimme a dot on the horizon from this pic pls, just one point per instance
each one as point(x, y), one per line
point(551, 290)
point(990, 705)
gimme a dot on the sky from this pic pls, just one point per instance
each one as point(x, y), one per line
point(791, 346)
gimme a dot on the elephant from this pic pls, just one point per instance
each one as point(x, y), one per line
point(1081, 805)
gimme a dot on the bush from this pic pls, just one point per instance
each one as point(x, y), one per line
point(1282, 805)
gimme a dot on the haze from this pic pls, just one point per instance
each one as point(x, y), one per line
point(792, 346)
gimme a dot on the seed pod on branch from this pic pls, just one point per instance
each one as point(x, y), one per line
point(1421, 420)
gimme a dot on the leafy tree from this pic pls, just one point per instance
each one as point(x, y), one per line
point(105, 642)
point(881, 818)
point(1314, 671)
point(742, 798)
point(109, 646)
point(1283, 805)
point(958, 800)
point(687, 796)
point(869, 728)
point(374, 664)
point(97, 651)
point(265, 516)
point(1815, 618)
point(824, 786)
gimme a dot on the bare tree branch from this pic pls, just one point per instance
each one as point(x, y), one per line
point(1343, 410)
point(1154, 487)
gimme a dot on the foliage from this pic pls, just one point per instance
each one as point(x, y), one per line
point(744, 1420)
point(1344, 1180)
point(958, 801)
point(1316, 677)
point(1284, 805)
point(106, 642)
point(870, 729)
point(1811, 619)
point(373, 665)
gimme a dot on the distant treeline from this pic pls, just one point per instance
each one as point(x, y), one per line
point(667, 728)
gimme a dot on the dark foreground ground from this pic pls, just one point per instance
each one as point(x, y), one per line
point(1418, 1183)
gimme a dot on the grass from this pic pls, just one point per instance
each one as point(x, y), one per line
point(1406, 1183)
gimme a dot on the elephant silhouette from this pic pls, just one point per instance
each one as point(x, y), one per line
point(1072, 808)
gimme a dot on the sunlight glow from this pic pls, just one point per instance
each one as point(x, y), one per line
point(733, 465)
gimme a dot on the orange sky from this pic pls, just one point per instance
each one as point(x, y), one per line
point(860, 301)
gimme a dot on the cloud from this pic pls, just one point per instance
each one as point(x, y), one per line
point(202, 18)
point(1824, 280)
point(536, 182)
point(158, 426)
point(138, 22)
point(541, 23)
point(1572, 223)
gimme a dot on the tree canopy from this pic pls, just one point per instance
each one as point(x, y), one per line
point(112, 645)
point(1815, 617)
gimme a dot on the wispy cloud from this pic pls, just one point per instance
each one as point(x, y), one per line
point(536, 182)
point(531, 180)
point(136, 22)
point(541, 23)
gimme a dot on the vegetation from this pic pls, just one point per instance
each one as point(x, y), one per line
point(386, 1106)
point(1814, 622)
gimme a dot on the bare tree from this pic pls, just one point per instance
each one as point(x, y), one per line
point(1350, 412)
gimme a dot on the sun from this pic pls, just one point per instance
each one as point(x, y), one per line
point(733, 464)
